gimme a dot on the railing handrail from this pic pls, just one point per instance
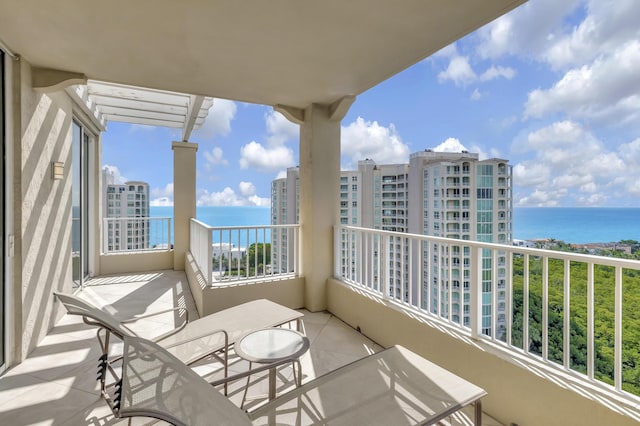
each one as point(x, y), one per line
point(245, 227)
point(136, 217)
point(578, 257)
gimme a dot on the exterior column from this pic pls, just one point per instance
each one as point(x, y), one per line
point(319, 197)
point(184, 198)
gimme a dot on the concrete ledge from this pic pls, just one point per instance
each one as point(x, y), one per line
point(520, 390)
point(286, 291)
point(135, 261)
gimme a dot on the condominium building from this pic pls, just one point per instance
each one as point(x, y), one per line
point(125, 214)
point(284, 212)
point(453, 195)
point(465, 198)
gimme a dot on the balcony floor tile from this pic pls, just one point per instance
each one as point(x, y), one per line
point(55, 385)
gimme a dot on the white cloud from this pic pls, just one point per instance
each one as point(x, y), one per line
point(540, 198)
point(215, 157)
point(529, 173)
point(497, 72)
point(281, 174)
point(280, 129)
point(247, 189)
point(607, 25)
point(167, 191)
point(115, 173)
point(162, 196)
point(253, 155)
point(365, 139)
point(630, 153)
point(459, 71)
point(161, 202)
point(450, 145)
point(447, 52)
point(228, 197)
point(275, 155)
point(476, 95)
point(607, 91)
point(571, 166)
point(528, 31)
point(218, 122)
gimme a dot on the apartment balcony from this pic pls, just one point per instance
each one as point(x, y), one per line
point(519, 378)
point(62, 48)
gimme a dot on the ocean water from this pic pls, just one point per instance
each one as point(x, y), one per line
point(223, 216)
point(572, 225)
point(577, 225)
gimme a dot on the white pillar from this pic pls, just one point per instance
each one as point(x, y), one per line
point(184, 198)
point(319, 197)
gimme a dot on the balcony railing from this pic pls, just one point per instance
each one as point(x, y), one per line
point(230, 254)
point(123, 234)
point(565, 309)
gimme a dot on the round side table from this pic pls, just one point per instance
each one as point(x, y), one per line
point(271, 345)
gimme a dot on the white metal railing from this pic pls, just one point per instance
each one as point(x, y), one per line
point(235, 253)
point(123, 234)
point(566, 309)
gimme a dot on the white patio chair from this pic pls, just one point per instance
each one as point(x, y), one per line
point(391, 387)
point(191, 341)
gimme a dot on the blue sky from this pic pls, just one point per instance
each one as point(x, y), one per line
point(554, 87)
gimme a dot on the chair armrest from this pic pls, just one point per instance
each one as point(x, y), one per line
point(153, 314)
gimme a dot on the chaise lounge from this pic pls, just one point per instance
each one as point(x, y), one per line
point(192, 340)
point(394, 386)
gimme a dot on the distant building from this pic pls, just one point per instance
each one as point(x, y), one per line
point(125, 214)
point(453, 195)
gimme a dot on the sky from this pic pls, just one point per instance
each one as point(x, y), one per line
point(553, 87)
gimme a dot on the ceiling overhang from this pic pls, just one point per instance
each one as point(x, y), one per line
point(282, 52)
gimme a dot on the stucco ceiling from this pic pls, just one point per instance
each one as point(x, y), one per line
point(291, 52)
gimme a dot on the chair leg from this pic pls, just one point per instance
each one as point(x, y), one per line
point(246, 387)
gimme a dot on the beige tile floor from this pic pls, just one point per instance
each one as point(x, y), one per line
point(56, 384)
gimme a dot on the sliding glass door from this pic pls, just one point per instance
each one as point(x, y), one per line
point(4, 215)
point(80, 202)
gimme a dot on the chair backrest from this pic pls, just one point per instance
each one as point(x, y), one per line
point(157, 384)
point(77, 306)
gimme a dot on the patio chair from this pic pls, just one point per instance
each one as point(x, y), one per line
point(394, 386)
point(191, 341)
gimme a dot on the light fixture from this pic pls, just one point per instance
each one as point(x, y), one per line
point(57, 170)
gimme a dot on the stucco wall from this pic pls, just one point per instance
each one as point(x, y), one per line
point(522, 392)
point(117, 263)
point(288, 292)
point(44, 207)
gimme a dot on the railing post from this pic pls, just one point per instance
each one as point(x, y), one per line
point(209, 239)
point(384, 266)
point(336, 251)
point(476, 292)
point(105, 235)
point(617, 339)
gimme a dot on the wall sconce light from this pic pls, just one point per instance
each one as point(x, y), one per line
point(57, 170)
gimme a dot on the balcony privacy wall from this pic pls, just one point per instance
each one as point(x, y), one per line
point(519, 391)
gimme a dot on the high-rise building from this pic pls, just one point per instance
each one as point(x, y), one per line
point(465, 198)
point(453, 195)
point(125, 213)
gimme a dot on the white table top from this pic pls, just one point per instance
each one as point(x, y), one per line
point(271, 345)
